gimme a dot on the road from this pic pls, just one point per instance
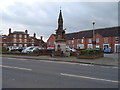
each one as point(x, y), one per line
point(24, 73)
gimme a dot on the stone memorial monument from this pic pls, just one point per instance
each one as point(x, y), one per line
point(60, 43)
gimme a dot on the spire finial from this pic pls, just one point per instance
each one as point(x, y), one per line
point(60, 8)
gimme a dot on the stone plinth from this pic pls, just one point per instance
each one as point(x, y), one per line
point(60, 45)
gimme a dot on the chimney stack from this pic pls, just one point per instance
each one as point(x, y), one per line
point(9, 30)
point(26, 31)
point(34, 35)
point(41, 37)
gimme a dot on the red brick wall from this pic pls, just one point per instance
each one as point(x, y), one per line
point(51, 40)
point(111, 41)
point(11, 39)
point(101, 40)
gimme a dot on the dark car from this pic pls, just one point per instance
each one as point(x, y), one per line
point(20, 49)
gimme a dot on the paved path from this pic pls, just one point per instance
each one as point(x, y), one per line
point(108, 59)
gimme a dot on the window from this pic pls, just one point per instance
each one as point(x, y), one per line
point(14, 40)
point(4, 44)
point(80, 46)
point(14, 35)
point(78, 40)
point(97, 40)
point(20, 36)
point(15, 45)
point(97, 46)
point(32, 40)
point(72, 41)
point(20, 45)
point(117, 48)
point(25, 36)
point(116, 39)
point(89, 40)
point(68, 41)
point(90, 46)
point(20, 40)
point(82, 40)
point(25, 40)
point(106, 40)
point(25, 45)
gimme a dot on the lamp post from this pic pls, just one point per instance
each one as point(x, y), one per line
point(83, 42)
point(94, 41)
point(73, 42)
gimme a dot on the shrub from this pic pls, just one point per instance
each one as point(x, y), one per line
point(43, 52)
point(13, 52)
point(90, 52)
point(4, 50)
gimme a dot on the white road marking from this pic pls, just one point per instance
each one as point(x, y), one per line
point(16, 67)
point(13, 79)
point(114, 67)
point(12, 58)
point(70, 75)
point(108, 67)
point(17, 58)
point(86, 65)
point(22, 59)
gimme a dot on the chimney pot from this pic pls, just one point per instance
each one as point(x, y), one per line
point(26, 31)
point(9, 30)
point(41, 37)
point(34, 35)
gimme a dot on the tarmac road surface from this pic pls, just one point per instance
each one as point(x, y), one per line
point(24, 73)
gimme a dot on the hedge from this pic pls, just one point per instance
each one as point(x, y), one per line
point(90, 52)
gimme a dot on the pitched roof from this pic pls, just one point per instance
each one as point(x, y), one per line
point(4, 36)
point(18, 32)
point(112, 31)
point(105, 32)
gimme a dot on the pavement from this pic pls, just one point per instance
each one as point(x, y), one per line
point(107, 60)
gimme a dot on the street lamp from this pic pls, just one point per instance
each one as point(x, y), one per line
point(73, 42)
point(94, 41)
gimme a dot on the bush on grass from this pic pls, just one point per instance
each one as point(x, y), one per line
point(90, 52)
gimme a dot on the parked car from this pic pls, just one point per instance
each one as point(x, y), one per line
point(12, 48)
point(70, 49)
point(107, 50)
point(50, 48)
point(31, 49)
point(20, 49)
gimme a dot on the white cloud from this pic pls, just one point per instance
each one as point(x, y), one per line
point(41, 17)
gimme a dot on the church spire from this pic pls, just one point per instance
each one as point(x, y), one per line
point(60, 16)
point(60, 23)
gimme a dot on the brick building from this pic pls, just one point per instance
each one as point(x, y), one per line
point(21, 39)
point(104, 38)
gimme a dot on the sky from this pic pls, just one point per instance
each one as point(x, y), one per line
point(41, 17)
